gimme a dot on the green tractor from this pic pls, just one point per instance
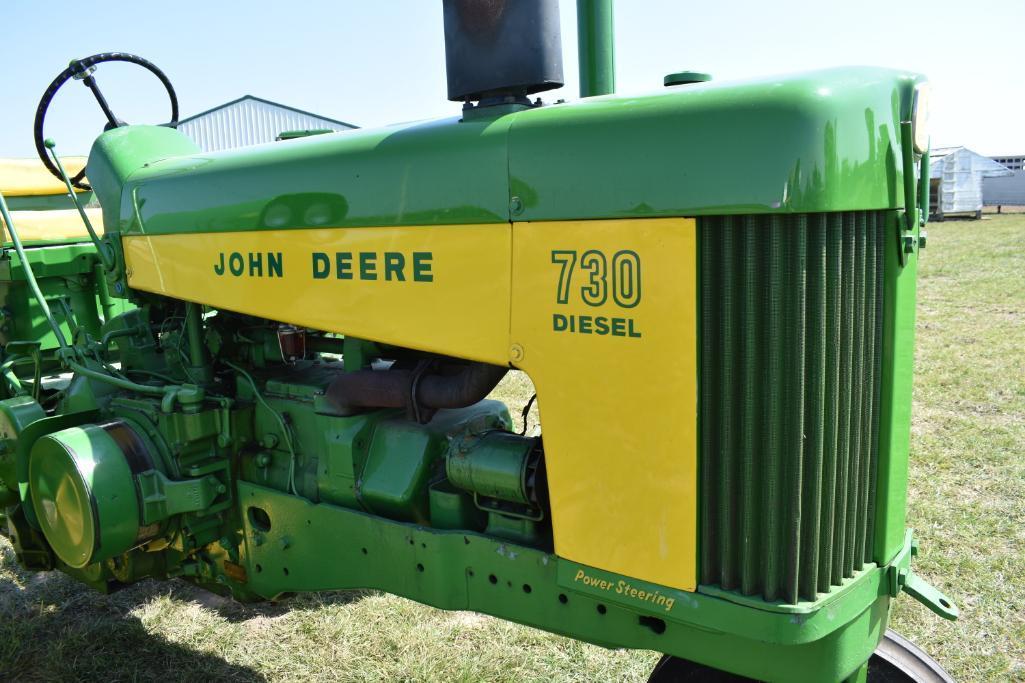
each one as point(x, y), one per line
point(268, 371)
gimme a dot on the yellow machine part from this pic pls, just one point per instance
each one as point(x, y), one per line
point(600, 314)
point(28, 177)
point(54, 226)
point(459, 305)
point(604, 320)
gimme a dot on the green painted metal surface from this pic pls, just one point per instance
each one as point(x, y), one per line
point(686, 78)
point(16, 413)
point(791, 313)
point(437, 172)
point(68, 272)
point(293, 134)
point(256, 486)
point(898, 350)
point(493, 464)
point(398, 469)
point(118, 153)
point(822, 141)
point(459, 570)
point(84, 495)
point(596, 48)
point(45, 202)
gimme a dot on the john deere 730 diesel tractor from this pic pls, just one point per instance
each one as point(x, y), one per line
point(266, 372)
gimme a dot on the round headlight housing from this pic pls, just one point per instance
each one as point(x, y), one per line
point(920, 117)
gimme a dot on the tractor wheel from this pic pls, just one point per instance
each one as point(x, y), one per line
point(896, 660)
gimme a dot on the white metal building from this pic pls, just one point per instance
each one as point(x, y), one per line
point(1007, 190)
point(956, 175)
point(249, 121)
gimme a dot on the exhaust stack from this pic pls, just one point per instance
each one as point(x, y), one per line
point(596, 47)
point(501, 51)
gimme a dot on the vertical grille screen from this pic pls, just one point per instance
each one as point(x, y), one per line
point(791, 318)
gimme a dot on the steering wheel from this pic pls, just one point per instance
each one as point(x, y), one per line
point(82, 70)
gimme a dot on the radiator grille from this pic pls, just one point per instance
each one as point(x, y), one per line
point(791, 320)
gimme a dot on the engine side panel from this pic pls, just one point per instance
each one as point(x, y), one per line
point(579, 329)
point(443, 290)
point(605, 323)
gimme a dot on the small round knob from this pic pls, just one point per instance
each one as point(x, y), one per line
point(686, 78)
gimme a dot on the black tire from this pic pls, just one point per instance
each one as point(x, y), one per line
point(676, 670)
point(896, 660)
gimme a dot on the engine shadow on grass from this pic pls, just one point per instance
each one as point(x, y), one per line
point(55, 646)
point(54, 628)
point(235, 612)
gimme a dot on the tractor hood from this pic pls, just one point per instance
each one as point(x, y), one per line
point(819, 141)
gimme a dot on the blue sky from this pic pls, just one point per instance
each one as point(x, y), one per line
point(377, 62)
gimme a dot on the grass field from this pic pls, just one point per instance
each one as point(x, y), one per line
point(967, 502)
point(967, 496)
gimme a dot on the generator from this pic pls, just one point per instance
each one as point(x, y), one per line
point(266, 370)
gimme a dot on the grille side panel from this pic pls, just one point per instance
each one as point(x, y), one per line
point(791, 326)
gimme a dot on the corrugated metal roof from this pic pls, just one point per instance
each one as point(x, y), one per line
point(939, 152)
point(249, 121)
point(948, 159)
point(959, 172)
